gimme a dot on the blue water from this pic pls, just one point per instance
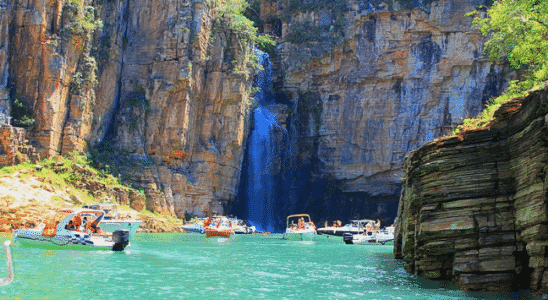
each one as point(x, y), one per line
point(189, 266)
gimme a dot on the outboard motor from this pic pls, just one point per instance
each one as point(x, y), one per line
point(120, 237)
point(348, 238)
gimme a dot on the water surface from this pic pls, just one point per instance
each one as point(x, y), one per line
point(189, 266)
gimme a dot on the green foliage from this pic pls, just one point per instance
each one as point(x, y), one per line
point(230, 16)
point(81, 19)
point(21, 113)
point(518, 32)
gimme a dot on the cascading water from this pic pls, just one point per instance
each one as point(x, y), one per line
point(265, 146)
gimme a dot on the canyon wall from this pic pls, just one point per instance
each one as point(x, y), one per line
point(154, 87)
point(367, 82)
point(474, 206)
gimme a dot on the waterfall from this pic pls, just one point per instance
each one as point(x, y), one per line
point(263, 156)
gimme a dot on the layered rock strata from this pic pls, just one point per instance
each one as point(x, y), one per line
point(473, 206)
point(369, 82)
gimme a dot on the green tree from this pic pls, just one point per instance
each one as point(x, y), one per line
point(518, 31)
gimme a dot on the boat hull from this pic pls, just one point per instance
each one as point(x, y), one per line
point(224, 233)
point(361, 239)
point(194, 228)
point(292, 235)
point(62, 243)
point(72, 240)
point(339, 231)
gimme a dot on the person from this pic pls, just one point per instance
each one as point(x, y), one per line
point(312, 224)
point(326, 224)
point(84, 223)
point(69, 226)
point(368, 228)
point(300, 224)
point(77, 222)
point(378, 226)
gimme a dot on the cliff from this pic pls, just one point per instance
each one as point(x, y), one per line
point(473, 206)
point(367, 82)
point(157, 89)
point(160, 92)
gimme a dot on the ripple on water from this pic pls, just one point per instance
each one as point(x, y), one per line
point(171, 266)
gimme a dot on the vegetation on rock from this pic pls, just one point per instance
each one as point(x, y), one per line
point(67, 181)
point(518, 32)
point(21, 113)
point(230, 16)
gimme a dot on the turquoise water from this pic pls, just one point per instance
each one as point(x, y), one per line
point(189, 266)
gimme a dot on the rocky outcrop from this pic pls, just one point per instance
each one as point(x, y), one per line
point(369, 81)
point(473, 206)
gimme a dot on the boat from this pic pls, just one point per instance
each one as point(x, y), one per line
point(73, 233)
point(197, 226)
point(304, 230)
point(241, 226)
point(354, 227)
point(9, 262)
point(384, 236)
point(218, 227)
point(113, 220)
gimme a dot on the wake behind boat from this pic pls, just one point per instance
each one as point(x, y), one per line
point(304, 230)
point(74, 231)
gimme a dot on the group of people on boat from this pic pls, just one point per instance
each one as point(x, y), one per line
point(83, 225)
point(217, 222)
point(301, 225)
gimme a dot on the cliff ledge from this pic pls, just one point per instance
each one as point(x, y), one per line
point(473, 207)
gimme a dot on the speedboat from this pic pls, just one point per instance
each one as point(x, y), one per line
point(219, 227)
point(197, 226)
point(304, 230)
point(114, 220)
point(72, 233)
point(241, 226)
point(354, 227)
point(386, 235)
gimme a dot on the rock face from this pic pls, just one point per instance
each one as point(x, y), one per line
point(158, 85)
point(473, 206)
point(369, 82)
point(152, 81)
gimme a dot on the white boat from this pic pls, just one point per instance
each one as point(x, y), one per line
point(61, 235)
point(195, 226)
point(241, 226)
point(113, 220)
point(354, 227)
point(382, 237)
point(302, 231)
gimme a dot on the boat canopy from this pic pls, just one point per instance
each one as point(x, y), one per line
point(297, 216)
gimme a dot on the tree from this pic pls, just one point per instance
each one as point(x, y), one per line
point(518, 31)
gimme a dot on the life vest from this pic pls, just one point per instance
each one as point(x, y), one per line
point(77, 221)
point(50, 230)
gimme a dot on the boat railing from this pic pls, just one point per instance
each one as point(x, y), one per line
point(9, 262)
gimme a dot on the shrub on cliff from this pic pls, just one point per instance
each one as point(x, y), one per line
point(518, 32)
